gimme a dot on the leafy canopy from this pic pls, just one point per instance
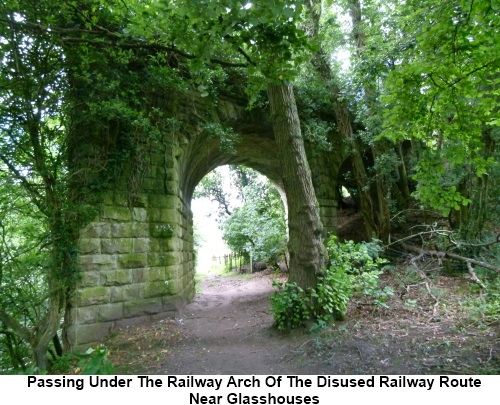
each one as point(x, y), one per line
point(444, 93)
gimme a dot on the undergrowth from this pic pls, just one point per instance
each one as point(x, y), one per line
point(353, 268)
point(485, 306)
point(94, 361)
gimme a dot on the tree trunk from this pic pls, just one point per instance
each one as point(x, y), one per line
point(358, 166)
point(403, 185)
point(305, 228)
point(322, 66)
point(40, 357)
point(381, 211)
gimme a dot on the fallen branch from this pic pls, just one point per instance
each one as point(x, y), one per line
point(486, 244)
point(474, 276)
point(449, 255)
point(426, 282)
point(432, 232)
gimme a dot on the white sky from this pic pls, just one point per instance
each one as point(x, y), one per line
point(204, 214)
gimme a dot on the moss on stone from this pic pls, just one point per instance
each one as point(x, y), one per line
point(157, 289)
point(133, 260)
point(96, 230)
point(116, 245)
point(96, 262)
point(89, 246)
point(154, 274)
point(161, 259)
point(134, 308)
point(122, 214)
point(161, 230)
point(162, 201)
point(110, 312)
point(140, 245)
point(139, 214)
point(92, 296)
point(116, 277)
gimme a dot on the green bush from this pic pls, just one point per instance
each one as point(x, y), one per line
point(291, 306)
point(258, 228)
point(353, 268)
point(94, 361)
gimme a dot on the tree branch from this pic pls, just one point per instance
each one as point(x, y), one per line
point(12, 323)
point(474, 276)
point(449, 255)
point(63, 32)
point(486, 244)
point(432, 232)
point(36, 196)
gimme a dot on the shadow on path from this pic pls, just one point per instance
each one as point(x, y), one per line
point(228, 330)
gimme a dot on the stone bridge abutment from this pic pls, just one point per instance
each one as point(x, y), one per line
point(136, 255)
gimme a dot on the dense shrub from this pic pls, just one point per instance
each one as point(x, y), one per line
point(352, 268)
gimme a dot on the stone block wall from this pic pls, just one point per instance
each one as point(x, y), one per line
point(137, 261)
point(322, 168)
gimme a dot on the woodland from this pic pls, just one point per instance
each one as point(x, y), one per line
point(408, 91)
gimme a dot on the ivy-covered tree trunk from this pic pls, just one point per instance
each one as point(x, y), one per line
point(33, 89)
point(305, 228)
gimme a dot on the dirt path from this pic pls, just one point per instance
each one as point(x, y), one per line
point(228, 330)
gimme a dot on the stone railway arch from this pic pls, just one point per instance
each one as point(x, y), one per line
point(137, 259)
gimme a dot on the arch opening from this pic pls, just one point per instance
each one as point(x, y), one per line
point(239, 221)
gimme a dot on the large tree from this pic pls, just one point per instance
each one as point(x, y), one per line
point(33, 130)
point(372, 203)
point(305, 229)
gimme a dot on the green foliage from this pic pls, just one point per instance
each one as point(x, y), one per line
point(251, 213)
point(225, 135)
point(96, 362)
point(316, 132)
point(360, 263)
point(486, 308)
point(265, 39)
point(39, 211)
point(36, 235)
point(332, 294)
point(354, 268)
point(437, 184)
point(290, 305)
point(212, 187)
point(23, 265)
point(258, 227)
point(443, 92)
